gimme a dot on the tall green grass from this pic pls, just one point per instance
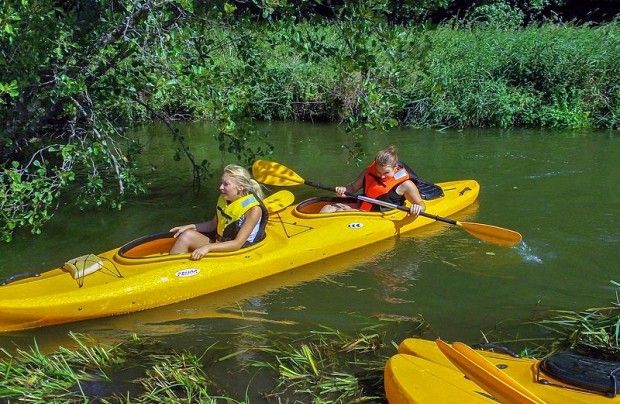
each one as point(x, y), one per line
point(594, 329)
point(546, 76)
point(444, 76)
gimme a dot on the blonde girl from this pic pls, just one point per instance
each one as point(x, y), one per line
point(239, 219)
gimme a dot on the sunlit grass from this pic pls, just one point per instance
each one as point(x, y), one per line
point(72, 374)
point(35, 377)
point(595, 328)
point(175, 378)
point(323, 366)
point(320, 366)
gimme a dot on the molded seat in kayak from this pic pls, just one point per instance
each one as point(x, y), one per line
point(584, 372)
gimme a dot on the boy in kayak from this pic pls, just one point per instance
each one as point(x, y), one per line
point(387, 179)
point(239, 221)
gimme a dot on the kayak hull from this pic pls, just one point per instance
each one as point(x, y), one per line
point(410, 379)
point(443, 380)
point(142, 275)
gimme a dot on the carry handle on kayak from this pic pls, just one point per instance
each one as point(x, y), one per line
point(18, 277)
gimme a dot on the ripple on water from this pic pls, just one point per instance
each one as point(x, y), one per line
point(527, 253)
point(554, 174)
point(609, 237)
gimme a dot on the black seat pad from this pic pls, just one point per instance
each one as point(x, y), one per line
point(581, 371)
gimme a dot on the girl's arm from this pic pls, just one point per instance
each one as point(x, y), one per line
point(207, 227)
point(352, 186)
point(204, 227)
point(411, 193)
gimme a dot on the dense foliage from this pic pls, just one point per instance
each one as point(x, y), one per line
point(436, 11)
point(75, 75)
point(543, 76)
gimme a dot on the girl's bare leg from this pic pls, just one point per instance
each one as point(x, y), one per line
point(188, 241)
point(336, 207)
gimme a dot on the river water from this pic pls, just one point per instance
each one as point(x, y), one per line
point(558, 188)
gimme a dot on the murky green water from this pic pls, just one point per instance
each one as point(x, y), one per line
point(559, 189)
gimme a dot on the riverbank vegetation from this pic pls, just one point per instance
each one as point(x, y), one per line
point(320, 366)
point(75, 76)
point(324, 366)
point(593, 330)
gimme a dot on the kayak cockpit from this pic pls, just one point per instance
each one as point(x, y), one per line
point(148, 246)
point(601, 375)
point(156, 248)
point(312, 208)
point(314, 205)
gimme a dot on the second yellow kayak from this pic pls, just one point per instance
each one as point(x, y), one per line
point(437, 372)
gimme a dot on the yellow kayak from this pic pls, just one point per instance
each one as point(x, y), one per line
point(437, 372)
point(142, 275)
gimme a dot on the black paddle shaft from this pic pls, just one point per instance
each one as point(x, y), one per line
point(382, 203)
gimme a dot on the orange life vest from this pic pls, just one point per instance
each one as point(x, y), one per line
point(379, 188)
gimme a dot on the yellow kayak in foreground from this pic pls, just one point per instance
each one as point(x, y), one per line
point(142, 275)
point(437, 372)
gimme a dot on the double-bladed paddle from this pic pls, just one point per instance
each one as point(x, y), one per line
point(274, 173)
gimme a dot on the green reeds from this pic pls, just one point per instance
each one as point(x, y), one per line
point(323, 366)
point(595, 328)
point(79, 373)
point(33, 376)
point(175, 378)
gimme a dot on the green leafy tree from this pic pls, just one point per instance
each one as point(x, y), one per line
point(73, 75)
point(58, 126)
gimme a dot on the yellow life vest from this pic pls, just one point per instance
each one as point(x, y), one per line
point(229, 215)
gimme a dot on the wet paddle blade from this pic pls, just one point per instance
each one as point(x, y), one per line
point(272, 173)
point(278, 201)
point(492, 234)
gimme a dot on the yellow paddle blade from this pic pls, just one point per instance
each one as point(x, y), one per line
point(492, 234)
point(272, 173)
point(278, 201)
